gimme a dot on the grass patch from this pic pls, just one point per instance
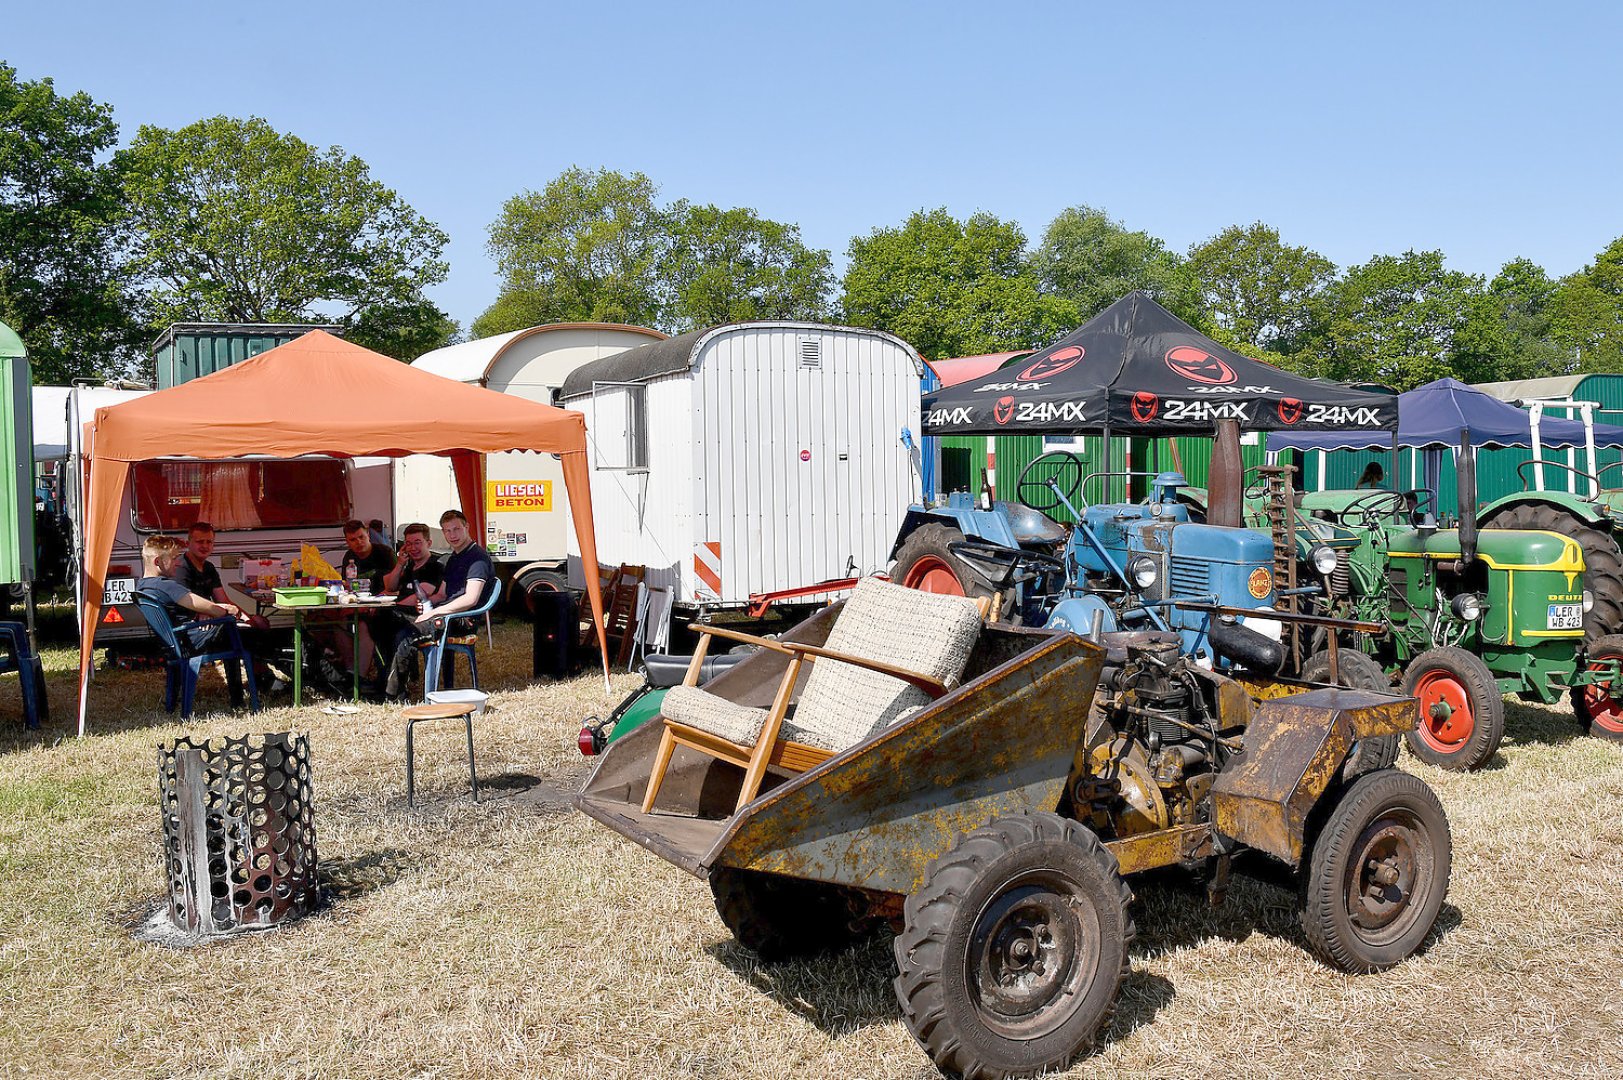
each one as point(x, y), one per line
point(510, 938)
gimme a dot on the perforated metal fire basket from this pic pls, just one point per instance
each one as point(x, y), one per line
point(239, 838)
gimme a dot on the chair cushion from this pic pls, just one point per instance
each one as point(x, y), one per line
point(926, 633)
point(694, 707)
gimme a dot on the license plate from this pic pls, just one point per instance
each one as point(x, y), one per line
point(120, 590)
point(1565, 617)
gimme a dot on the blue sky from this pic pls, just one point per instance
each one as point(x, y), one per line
point(1489, 131)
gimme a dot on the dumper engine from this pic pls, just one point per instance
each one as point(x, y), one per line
point(1157, 738)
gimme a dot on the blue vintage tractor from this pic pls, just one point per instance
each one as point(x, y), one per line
point(1123, 566)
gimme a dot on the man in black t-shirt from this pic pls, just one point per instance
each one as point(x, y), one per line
point(364, 558)
point(160, 556)
point(417, 574)
point(198, 575)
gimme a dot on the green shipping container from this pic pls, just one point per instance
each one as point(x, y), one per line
point(188, 351)
point(17, 460)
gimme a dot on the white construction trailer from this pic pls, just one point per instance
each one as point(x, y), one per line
point(526, 508)
point(750, 459)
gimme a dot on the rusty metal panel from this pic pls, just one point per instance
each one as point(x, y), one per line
point(876, 815)
point(1294, 748)
point(1163, 847)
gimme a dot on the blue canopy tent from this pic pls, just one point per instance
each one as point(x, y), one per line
point(1431, 418)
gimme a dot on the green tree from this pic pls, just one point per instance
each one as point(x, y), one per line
point(1256, 289)
point(586, 248)
point(951, 288)
point(1586, 313)
point(1508, 331)
point(1090, 260)
point(237, 222)
point(404, 332)
point(726, 266)
point(1393, 320)
point(61, 287)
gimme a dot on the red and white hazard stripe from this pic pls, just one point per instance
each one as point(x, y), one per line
point(707, 569)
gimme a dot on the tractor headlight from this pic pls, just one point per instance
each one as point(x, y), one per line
point(1468, 607)
point(1141, 571)
point(1323, 558)
point(1589, 599)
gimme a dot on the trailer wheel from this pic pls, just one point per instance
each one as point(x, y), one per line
point(778, 917)
point(1013, 951)
point(531, 581)
point(1603, 559)
point(1376, 874)
point(1462, 713)
point(1358, 671)
point(1600, 714)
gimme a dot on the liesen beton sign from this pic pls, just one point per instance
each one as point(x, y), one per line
point(518, 496)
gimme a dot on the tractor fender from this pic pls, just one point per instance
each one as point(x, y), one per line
point(1294, 749)
point(988, 525)
point(1583, 509)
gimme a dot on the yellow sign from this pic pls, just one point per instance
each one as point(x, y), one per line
point(1261, 582)
point(518, 496)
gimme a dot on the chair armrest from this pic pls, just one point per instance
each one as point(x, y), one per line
point(912, 678)
point(735, 635)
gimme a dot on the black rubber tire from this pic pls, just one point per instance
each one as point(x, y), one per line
point(779, 918)
point(1603, 723)
point(932, 542)
point(1603, 559)
point(1480, 693)
point(1388, 813)
point(526, 583)
point(970, 919)
point(1360, 672)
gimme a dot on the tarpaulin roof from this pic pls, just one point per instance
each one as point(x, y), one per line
point(1140, 370)
point(1435, 414)
point(319, 394)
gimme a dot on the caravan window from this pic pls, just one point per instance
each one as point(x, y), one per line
point(170, 495)
point(619, 425)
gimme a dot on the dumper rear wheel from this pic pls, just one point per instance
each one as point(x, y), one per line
point(1377, 872)
point(1013, 951)
point(1462, 712)
point(779, 917)
point(1360, 672)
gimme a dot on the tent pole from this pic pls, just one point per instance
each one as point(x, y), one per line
point(1105, 469)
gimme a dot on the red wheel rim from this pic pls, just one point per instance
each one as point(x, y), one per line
point(1599, 706)
point(932, 574)
point(1446, 719)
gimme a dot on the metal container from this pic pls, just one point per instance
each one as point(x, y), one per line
point(16, 461)
point(188, 351)
point(239, 837)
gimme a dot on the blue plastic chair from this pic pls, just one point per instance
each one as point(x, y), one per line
point(185, 662)
point(445, 647)
point(21, 658)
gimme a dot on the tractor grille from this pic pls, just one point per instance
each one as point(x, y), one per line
point(1341, 577)
point(1190, 577)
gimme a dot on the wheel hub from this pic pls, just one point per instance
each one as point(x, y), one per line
point(1445, 711)
point(1031, 954)
point(1384, 875)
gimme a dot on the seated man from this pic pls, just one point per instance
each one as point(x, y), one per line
point(417, 574)
point(363, 559)
point(468, 575)
point(198, 574)
point(159, 554)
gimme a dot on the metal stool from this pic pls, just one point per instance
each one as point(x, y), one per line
point(415, 715)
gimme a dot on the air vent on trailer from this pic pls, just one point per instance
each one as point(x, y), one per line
point(811, 353)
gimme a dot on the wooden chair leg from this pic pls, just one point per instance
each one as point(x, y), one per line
point(756, 772)
point(662, 761)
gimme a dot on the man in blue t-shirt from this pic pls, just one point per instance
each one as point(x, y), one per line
point(469, 575)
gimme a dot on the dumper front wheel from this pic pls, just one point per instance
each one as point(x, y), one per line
point(779, 918)
point(1377, 873)
point(1462, 713)
point(1013, 951)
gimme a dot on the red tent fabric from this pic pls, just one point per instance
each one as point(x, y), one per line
point(320, 394)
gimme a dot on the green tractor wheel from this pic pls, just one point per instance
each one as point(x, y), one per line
point(1603, 558)
point(1462, 713)
point(1598, 711)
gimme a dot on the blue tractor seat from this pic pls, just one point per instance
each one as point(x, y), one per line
point(20, 657)
point(442, 649)
point(185, 660)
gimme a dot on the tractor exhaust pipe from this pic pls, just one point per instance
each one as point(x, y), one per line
point(1223, 485)
point(1467, 492)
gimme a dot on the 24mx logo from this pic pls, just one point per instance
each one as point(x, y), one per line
point(1049, 412)
point(1357, 416)
point(963, 414)
point(1005, 387)
point(1207, 410)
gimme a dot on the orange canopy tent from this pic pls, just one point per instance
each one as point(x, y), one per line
point(320, 394)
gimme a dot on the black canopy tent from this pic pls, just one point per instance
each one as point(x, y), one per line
point(1135, 369)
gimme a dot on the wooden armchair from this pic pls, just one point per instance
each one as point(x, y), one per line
point(892, 650)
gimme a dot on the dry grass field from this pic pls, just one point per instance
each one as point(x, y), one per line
point(517, 938)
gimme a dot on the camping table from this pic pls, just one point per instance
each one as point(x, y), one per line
point(351, 611)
